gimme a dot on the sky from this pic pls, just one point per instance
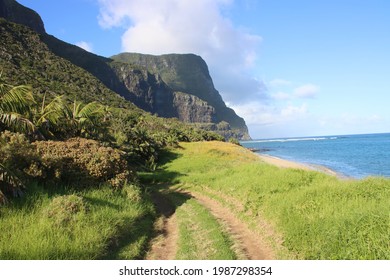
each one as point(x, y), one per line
point(289, 68)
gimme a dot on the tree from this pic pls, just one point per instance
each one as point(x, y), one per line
point(63, 119)
point(15, 108)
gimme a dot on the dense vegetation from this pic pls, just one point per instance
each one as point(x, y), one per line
point(69, 169)
point(317, 215)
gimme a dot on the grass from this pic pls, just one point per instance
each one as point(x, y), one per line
point(319, 216)
point(201, 237)
point(109, 226)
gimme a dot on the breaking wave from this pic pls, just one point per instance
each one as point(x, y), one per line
point(292, 139)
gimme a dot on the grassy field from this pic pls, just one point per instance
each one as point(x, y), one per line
point(94, 223)
point(316, 216)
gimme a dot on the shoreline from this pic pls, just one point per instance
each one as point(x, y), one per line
point(283, 163)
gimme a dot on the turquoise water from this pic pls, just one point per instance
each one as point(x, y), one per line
point(356, 156)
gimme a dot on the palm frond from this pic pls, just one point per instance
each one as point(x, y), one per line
point(17, 122)
point(17, 99)
point(54, 111)
point(92, 110)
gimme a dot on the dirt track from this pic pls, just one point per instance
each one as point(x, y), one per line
point(163, 247)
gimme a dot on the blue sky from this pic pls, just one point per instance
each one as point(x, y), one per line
point(290, 68)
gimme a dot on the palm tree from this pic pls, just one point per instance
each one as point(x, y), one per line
point(88, 118)
point(15, 107)
point(62, 119)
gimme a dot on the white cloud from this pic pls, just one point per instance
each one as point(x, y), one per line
point(349, 123)
point(85, 45)
point(187, 26)
point(306, 91)
point(279, 82)
point(283, 90)
point(280, 95)
point(257, 113)
point(278, 119)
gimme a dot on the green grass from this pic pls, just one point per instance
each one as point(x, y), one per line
point(201, 237)
point(112, 226)
point(319, 216)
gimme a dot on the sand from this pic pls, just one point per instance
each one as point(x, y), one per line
point(291, 164)
point(283, 163)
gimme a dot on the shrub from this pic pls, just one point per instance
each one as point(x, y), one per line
point(16, 155)
point(120, 179)
point(76, 161)
point(16, 152)
point(80, 161)
point(234, 141)
point(9, 183)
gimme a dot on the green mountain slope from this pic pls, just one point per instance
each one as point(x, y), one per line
point(26, 59)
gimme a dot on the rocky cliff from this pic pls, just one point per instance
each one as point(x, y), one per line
point(149, 92)
point(192, 109)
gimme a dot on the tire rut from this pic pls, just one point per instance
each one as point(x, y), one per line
point(164, 246)
point(251, 244)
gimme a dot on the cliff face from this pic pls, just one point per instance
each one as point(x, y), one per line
point(170, 85)
point(192, 109)
point(182, 72)
point(189, 74)
point(148, 91)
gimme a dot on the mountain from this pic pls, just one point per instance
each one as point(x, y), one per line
point(188, 76)
point(169, 86)
point(13, 11)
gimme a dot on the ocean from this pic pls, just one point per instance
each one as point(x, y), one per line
point(355, 156)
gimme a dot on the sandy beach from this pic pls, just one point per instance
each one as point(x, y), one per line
point(283, 163)
point(292, 164)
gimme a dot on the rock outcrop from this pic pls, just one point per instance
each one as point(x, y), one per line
point(192, 109)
